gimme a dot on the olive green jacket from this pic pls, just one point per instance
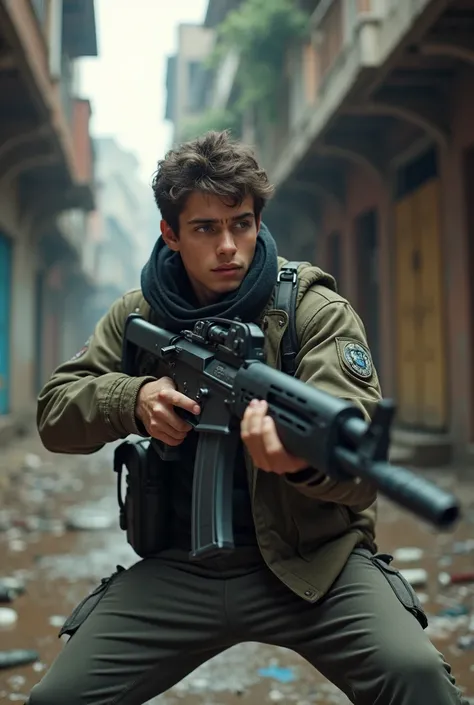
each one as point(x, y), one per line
point(305, 529)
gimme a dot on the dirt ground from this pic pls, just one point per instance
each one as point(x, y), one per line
point(59, 560)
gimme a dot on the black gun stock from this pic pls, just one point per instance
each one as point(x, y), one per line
point(220, 364)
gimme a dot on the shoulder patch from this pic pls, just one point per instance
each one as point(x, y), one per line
point(82, 351)
point(355, 358)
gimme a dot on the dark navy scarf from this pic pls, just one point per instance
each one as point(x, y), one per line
point(167, 289)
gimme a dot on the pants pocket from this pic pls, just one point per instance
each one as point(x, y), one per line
point(85, 608)
point(399, 584)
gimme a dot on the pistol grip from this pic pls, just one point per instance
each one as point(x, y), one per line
point(165, 452)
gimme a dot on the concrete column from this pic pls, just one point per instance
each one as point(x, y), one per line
point(23, 325)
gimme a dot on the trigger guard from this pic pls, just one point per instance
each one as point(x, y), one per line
point(186, 416)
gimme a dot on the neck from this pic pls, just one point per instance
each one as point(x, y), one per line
point(205, 296)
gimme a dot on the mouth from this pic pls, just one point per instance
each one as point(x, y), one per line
point(227, 268)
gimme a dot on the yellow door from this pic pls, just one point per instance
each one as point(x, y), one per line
point(421, 359)
point(408, 393)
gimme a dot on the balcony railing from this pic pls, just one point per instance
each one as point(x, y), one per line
point(335, 24)
point(328, 24)
point(332, 50)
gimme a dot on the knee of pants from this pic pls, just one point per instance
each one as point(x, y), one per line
point(412, 664)
point(44, 695)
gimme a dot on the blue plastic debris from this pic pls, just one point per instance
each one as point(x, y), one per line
point(284, 675)
point(454, 611)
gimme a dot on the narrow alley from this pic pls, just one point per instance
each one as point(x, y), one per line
point(59, 535)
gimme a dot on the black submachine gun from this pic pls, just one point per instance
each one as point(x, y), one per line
point(221, 364)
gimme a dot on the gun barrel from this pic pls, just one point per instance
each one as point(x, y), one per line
point(406, 488)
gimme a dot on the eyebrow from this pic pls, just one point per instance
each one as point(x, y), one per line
point(206, 221)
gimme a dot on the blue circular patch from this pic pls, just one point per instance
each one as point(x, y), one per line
point(358, 360)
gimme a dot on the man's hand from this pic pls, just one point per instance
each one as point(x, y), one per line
point(154, 408)
point(259, 434)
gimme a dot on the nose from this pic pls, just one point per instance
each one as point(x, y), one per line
point(226, 244)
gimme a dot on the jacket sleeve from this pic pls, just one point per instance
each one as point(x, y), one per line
point(88, 401)
point(335, 357)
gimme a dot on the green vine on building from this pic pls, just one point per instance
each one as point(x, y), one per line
point(218, 120)
point(260, 31)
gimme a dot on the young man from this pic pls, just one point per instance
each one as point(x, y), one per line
point(303, 574)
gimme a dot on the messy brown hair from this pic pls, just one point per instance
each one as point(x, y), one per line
point(213, 164)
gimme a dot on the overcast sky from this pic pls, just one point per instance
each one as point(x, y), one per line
point(126, 83)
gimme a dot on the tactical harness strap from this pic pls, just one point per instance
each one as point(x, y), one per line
point(286, 291)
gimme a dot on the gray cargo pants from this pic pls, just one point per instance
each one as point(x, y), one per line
point(162, 618)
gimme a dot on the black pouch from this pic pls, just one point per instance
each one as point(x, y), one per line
point(399, 584)
point(85, 608)
point(144, 512)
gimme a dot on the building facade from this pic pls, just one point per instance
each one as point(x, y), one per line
point(372, 156)
point(46, 191)
point(125, 226)
point(186, 78)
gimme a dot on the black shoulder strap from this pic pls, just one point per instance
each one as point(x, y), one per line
point(286, 290)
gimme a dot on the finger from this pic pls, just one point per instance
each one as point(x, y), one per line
point(175, 433)
point(167, 383)
point(256, 404)
point(164, 416)
point(166, 409)
point(271, 442)
point(165, 438)
point(275, 452)
point(175, 398)
point(255, 450)
point(252, 436)
point(278, 458)
point(177, 422)
point(159, 425)
point(253, 420)
point(263, 406)
point(244, 424)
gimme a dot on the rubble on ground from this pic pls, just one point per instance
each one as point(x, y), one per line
point(59, 535)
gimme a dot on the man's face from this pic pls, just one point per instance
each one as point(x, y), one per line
point(216, 243)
